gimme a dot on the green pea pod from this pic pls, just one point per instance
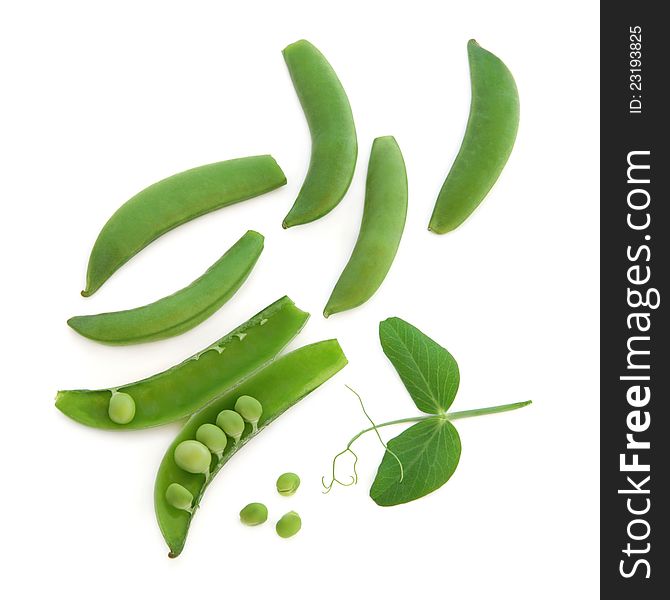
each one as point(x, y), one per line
point(183, 389)
point(331, 126)
point(277, 387)
point(172, 202)
point(487, 144)
point(381, 229)
point(181, 311)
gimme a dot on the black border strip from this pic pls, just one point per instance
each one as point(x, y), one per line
point(635, 266)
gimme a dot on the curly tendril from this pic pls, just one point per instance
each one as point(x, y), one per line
point(354, 477)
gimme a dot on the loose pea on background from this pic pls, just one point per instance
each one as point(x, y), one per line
point(288, 525)
point(287, 484)
point(254, 513)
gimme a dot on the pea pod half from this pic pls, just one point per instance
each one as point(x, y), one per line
point(184, 309)
point(381, 229)
point(331, 126)
point(277, 387)
point(172, 202)
point(487, 144)
point(183, 389)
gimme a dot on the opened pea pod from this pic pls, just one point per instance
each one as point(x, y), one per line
point(183, 389)
point(487, 143)
point(173, 201)
point(276, 388)
point(182, 310)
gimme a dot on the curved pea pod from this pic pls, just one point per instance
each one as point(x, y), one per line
point(172, 202)
point(183, 389)
point(487, 144)
point(381, 228)
point(277, 387)
point(331, 127)
point(183, 310)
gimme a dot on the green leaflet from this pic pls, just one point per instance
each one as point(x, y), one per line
point(429, 452)
point(428, 371)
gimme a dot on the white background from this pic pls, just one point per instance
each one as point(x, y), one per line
point(99, 102)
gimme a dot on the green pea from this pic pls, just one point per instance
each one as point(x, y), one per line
point(250, 409)
point(232, 423)
point(288, 525)
point(212, 437)
point(121, 408)
point(287, 484)
point(179, 497)
point(254, 514)
point(193, 456)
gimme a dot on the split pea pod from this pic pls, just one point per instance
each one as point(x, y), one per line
point(183, 389)
point(487, 144)
point(184, 309)
point(331, 126)
point(172, 202)
point(277, 387)
point(381, 229)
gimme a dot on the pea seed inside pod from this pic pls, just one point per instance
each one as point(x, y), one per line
point(232, 423)
point(288, 484)
point(213, 437)
point(250, 409)
point(121, 408)
point(179, 497)
point(288, 525)
point(254, 514)
point(193, 456)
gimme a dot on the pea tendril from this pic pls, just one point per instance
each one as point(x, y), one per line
point(375, 428)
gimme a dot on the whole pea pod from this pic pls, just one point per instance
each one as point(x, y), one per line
point(189, 469)
point(331, 126)
point(487, 144)
point(181, 311)
point(381, 228)
point(183, 389)
point(172, 202)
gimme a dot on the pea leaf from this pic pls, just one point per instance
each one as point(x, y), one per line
point(428, 371)
point(429, 452)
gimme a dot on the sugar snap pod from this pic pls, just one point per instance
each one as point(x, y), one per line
point(183, 389)
point(182, 310)
point(487, 143)
point(331, 126)
point(381, 228)
point(277, 387)
point(172, 202)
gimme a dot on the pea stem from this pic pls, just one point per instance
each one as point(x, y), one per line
point(489, 410)
point(461, 414)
